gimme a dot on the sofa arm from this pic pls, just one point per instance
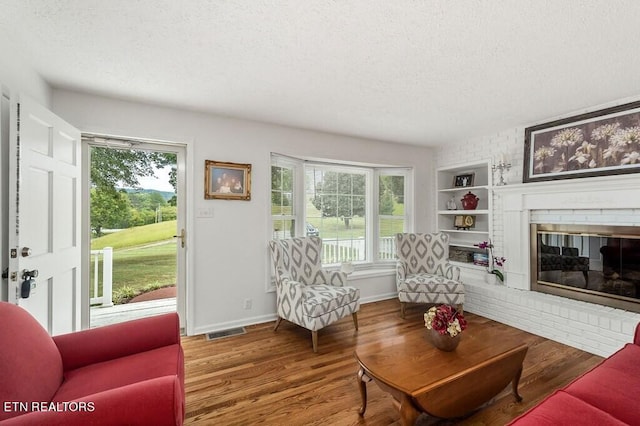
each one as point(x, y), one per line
point(158, 401)
point(114, 341)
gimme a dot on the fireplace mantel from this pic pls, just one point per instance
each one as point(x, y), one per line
point(588, 198)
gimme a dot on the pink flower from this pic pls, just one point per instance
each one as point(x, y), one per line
point(494, 261)
point(485, 245)
point(445, 320)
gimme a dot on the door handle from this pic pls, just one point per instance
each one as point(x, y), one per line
point(25, 252)
point(182, 237)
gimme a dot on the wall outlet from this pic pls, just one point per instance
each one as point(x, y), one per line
point(247, 303)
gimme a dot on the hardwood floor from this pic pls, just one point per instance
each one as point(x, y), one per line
point(263, 377)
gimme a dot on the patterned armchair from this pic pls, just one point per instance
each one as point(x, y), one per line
point(307, 294)
point(423, 271)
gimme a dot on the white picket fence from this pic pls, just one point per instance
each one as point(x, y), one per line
point(106, 298)
point(340, 250)
point(387, 248)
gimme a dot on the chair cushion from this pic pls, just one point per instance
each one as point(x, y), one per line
point(428, 283)
point(30, 364)
point(102, 376)
point(320, 299)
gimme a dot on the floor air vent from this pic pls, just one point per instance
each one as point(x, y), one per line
point(226, 333)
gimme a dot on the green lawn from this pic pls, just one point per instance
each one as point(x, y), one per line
point(136, 236)
point(144, 258)
point(332, 227)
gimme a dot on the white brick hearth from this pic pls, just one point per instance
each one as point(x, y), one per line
point(611, 200)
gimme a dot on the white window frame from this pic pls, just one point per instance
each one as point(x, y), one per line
point(368, 173)
point(298, 204)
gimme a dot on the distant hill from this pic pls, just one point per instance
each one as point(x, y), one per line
point(167, 195)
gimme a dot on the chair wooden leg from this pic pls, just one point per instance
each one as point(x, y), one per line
point(314, 340)
point(402, 306)
point(278, 321)
point(355, 319)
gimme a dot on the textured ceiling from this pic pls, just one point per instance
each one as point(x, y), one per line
point(420, 72)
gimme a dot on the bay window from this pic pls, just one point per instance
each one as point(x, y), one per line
point(356, 210)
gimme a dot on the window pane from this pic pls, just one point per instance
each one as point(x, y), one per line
point(284, 228)
point(282, 202)
point(337, 208)
point(391, 214)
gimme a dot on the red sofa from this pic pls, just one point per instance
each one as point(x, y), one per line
point(605, 395)
point(130, 373)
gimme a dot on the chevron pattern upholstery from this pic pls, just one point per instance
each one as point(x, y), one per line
point(423, 271)
point(307, 294)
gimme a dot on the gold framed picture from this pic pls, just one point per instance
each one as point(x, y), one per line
point(227, 181)
point(464, 221)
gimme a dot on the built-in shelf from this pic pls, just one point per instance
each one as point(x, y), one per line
point(463, 241)
point(457, 212)
point(468, 265)
point(463, 231)
point(466, 188)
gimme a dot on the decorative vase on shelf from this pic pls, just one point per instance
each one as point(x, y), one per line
point(491, 279)
point(444, 342)
point(469, 201)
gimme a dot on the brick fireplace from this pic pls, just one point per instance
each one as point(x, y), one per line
point(606, 201)
point(587, 325)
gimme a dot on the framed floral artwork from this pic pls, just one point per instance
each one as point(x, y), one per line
point(227, 181)
point(603, 142)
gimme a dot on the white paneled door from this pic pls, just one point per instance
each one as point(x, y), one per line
point(44, 216)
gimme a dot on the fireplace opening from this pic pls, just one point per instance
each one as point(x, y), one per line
point(592, 263)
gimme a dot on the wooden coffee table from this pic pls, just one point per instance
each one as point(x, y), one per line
point(422, 378)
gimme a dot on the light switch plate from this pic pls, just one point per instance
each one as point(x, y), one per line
point(205, 212)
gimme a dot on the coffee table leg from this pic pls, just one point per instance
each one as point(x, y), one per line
point(514, 384)
point(408, 413)
point(362, 384)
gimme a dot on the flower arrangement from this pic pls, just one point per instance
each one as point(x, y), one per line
point(495, 262)
point(445, 319)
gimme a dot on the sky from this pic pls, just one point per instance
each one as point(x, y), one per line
point(160, 182)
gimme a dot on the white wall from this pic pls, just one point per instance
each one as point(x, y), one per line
point(17, 76)
point(229, 251)
point(593, 328)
